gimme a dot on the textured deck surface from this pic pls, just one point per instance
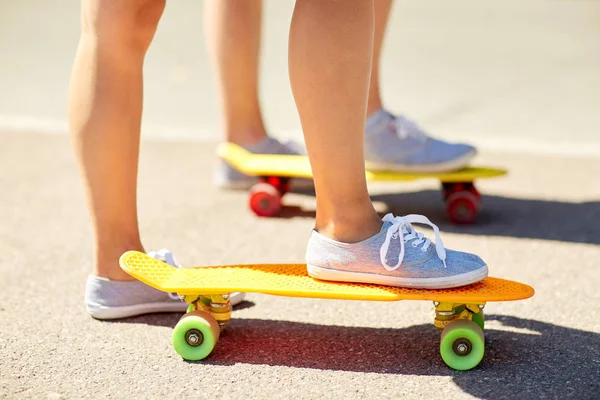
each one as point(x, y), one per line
point(292, 280)
point(299, 166)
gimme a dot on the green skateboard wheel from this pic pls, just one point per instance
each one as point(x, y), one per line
point(462, 345)
point(195, 335)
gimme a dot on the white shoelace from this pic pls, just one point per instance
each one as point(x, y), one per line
point(396, 231)
point(406, 128)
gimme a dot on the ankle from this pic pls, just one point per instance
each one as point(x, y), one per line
point(107, 261)
point(350, 227)
point(246, 136)
point(374, 106)
point(374, 113)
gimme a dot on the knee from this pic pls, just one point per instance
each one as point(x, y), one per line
point(128, 25)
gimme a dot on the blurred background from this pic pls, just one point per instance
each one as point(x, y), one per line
point(518, 76)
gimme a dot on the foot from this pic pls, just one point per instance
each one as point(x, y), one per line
point(395, 143)
point(107, 299)
point(227, 177)
point(396, 256)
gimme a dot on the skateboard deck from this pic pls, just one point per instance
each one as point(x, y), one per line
point(292, 280)
point(459, 311)
point(291, 166)
point(276, 170)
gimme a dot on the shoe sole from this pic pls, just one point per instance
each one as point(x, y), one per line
point(446, 282)
point(452, 165)
point(108, 313)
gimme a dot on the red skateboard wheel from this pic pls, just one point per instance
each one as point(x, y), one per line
point(265, 200)
point(462, 207)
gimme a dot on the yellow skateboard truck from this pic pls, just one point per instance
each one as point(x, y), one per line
point(458, 311)
point(275, 171)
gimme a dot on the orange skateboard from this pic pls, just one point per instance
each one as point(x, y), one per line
point(275, 171)
point(458, 312)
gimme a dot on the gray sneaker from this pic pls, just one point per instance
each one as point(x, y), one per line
point(394, 143)
point(227, 177)
point(396, 256)
point(107, 299)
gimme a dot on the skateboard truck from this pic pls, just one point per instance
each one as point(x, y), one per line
point(446, 313)
point(217, 305)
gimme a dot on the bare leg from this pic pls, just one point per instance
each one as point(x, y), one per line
point(331, 46)
point(232, 30)
point(382, 11)
point(105, 110)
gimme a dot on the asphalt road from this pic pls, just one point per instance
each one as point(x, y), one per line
point(539, 226)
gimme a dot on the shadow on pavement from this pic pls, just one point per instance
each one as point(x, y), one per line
point(499, 216)
point(539, 360)
point(545, 361)
point(505, 216)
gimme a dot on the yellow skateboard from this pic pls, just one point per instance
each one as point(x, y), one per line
point(461, 197)
point(458, 311)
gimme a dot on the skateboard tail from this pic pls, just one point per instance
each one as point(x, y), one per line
point(264, 164)
point(146, 269)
